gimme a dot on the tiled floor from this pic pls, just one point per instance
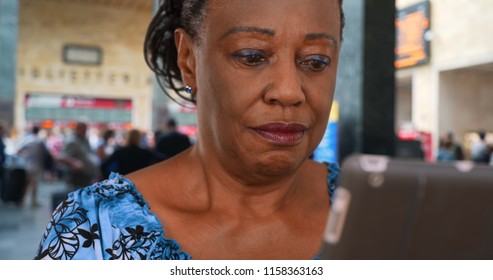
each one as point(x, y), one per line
point(21, 228)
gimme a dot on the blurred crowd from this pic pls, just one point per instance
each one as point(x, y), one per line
point(79, 155)
point(480, 150)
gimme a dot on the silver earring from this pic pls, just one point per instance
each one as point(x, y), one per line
point(188, 89)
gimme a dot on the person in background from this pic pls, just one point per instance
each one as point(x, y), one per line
point(448, 149)
point(38, 159)
point(12, 141)
point(491, 154)
point(81, 161)
point(479, 149)
point(106, 147)
point(54, 143)
point(157, 135)
point(263, 87)
point(456, 147)
point(172, 142)
point(3, 155)
point(129, 158)
point(445, 151)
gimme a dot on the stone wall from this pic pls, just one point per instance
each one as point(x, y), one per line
point(46, 26)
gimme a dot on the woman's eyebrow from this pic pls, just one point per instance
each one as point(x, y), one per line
point(249, 29)
point(318, 36)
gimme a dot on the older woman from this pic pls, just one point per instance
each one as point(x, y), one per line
point(262, 75)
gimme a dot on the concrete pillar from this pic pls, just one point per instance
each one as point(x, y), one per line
point(365, 85)
point(9, 23)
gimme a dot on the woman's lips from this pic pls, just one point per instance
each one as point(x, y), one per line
point(281, 133)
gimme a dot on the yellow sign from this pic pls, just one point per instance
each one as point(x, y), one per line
point(412, 26)
point(334, 112)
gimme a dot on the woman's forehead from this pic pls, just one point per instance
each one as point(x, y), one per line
point(274, 14)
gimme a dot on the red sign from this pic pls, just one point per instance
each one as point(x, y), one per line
point(427, 145)
point(76, 102)
point(95, 103)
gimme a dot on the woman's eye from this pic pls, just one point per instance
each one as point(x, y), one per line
point(316, 63)
point(250, 57)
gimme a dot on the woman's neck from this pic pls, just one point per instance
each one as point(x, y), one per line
point(241, 193)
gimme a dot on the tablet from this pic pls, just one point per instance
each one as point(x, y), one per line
point(387, 208)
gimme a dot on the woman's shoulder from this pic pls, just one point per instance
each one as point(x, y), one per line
point(114, 192)
point(116, 184)
point(108, 220)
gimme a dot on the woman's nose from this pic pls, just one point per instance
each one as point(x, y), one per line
point(286, 86)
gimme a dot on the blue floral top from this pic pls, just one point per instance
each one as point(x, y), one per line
point(111, 220)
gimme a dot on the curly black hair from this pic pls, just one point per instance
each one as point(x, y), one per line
point(159, 46)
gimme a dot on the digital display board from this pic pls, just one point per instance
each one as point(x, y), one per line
point(412, 26)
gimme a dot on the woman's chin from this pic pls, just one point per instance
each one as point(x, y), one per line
point(278, 165)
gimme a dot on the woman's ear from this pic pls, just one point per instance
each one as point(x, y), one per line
point(186, 58)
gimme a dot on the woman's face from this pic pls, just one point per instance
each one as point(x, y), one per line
point(264, 74)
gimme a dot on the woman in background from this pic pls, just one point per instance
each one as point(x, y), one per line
point(129, 158)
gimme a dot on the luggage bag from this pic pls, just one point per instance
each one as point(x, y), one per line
point(15, 185)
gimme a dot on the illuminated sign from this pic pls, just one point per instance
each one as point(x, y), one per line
point(412, 26)
point(75, 102)
point(327, 149)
